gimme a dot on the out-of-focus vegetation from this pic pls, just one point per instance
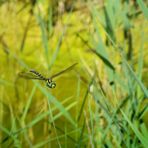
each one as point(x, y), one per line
point(102, 101)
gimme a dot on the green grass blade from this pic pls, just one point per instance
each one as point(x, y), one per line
point(44, 37)
point(143, 8)
point(136, 130)
point(53, 100)
point(144, 89)
point(28, 103)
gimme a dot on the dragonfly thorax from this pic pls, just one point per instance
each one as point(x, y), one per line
point(50, 83)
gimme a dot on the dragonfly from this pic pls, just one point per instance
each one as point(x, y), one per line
point(33, 74)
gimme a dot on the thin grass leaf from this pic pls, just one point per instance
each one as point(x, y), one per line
point(104, 59)
point(136, 130)
point(26, 29)
point(84, 100)
point(143, 8)
point(44, 37)
point(99, 51)
point(42, 143)
point(28, 103)
point(45, 114)
point(144, 131)
point(140, 61)
point(111, 118)
point(37, 119)
point(110, 19)
point(50, 22)
point(120, 50)
point(6, 131)
point(91, 128)
point(14, 127)
point(10, 134)
point(80, 142)
point(68, 137)
point(144, 89)
point(59, 106)
point(60, 113)
point(55, 54)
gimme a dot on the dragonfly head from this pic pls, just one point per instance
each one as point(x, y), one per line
point(50, 84)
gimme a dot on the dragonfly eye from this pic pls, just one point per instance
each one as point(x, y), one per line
point(51, 84)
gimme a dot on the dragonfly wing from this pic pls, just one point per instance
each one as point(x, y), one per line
point(28, 75)
point(63, 71)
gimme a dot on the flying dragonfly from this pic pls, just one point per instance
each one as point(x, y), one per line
point(33, 74)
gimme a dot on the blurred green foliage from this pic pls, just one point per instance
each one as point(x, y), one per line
point(102, 101)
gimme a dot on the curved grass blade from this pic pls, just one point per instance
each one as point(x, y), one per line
point(104, 59)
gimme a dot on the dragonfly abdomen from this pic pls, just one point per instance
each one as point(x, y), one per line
point(38, 74)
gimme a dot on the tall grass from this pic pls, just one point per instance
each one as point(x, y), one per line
point(102, 102)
